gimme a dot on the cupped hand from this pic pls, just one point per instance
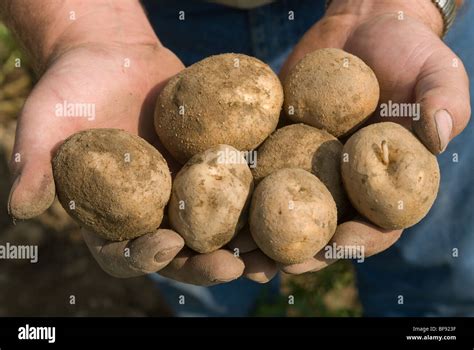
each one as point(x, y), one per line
point(239, 258)
point(412, 65)
point(119, 83)
point(163, 251)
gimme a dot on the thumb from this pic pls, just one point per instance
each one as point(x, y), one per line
point(32, 190)
point(356, 233)
point(442, 90)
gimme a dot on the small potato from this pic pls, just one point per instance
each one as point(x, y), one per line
point(229, 99)
point(331, 90)
point(292, 215)
point(113, 183)
point(308, 148)
point(390, 177)
point(209, 198)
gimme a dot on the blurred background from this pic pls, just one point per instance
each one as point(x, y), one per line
point(66, 280)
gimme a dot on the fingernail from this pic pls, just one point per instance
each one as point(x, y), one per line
point(167, 254)
point(10, 196)
point(444, 126)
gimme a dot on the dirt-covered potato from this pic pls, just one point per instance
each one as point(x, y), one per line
point(113, 183)
point(389, 175)
point(229, 99)
point(308, 148)
point(209, 198)
point(331, 90)
point(292, 215)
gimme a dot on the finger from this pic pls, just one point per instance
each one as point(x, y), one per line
point(33, 188)
point(442, 90)
point(356, 233)
point(259, 267)
point(243, 242)
point(204, 269)
point(142, 255)
point(316, 263)
point(332, 32)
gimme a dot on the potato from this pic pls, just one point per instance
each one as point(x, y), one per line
point(292, 215)
point(229, 99)
point(113, 183)
point(308, 148)
point(209, 198)
point(332, 90)
point(390, 177)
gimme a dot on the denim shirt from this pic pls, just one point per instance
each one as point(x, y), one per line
point(430, 270)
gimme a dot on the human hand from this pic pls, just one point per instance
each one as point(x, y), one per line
point(410, 61)
point(162, 252)
point(241, 257)
point(412, 66)
point(120, 80)
point(122, 96)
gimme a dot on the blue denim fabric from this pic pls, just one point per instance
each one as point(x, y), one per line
point(210, 29)
point(421, 266)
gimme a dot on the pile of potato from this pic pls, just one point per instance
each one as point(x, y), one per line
point(211, 117)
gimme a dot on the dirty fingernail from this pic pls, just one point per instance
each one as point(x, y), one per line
point(10, 196)
point(444, 126)
point(167, 254)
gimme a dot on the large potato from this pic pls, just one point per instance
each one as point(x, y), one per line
point(308, 148)
point(113, 183)
point(390, 177)
point(331, 90)
point(225, 99)
point(209, 198)
point(292, 215)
